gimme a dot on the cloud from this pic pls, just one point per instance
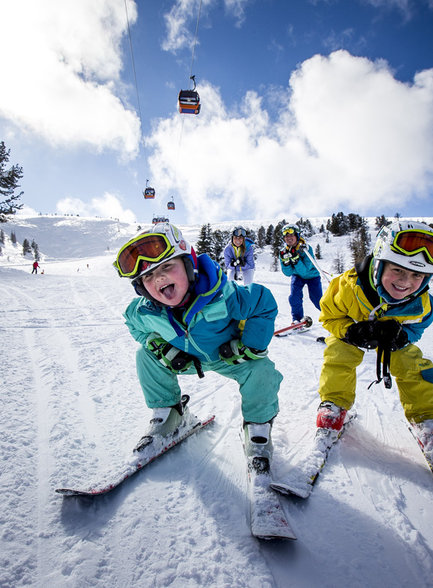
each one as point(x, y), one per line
point(64, 72)
point(106, 206)
point(349, 136)
point(182, 18)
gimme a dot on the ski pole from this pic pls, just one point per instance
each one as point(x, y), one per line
point(316, 265)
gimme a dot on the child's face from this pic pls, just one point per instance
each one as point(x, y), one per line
point(291, 239)
point(168, 283)
point(238, 241)
point(400, 282)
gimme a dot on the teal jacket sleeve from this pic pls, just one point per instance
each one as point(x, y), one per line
point(256, 305)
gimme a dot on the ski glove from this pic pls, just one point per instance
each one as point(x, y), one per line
point(390, 334)
point(235, 352)
point(174, 359)
point(287, 258)
point(242, 261)
point(235, 262)
point(362, 334)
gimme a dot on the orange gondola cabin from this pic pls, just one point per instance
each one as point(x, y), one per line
point(148, 192)
point(171, 205)
point(189, 100)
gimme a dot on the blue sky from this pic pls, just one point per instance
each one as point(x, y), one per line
point(308, 107)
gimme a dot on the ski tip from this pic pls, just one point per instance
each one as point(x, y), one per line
point(320, 339)
point(273, 536)
point(288, 490)
point(69, 492)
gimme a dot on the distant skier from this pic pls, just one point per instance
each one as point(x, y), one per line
point(296, 263)
point(189, 319)
point(382, 303)
point(239, 255)
point(35, 267)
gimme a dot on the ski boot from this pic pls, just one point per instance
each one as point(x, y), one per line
point(165, 422)
point(329, 422)
point(424, 435)
point(258, 446)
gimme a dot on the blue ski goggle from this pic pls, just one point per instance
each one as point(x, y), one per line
point(239, 232)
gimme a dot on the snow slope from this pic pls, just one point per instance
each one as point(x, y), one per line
point(71, 408)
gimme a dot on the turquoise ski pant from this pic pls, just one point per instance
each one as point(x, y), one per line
point(259, 382)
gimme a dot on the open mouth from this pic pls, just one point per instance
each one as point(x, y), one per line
point(168, 291)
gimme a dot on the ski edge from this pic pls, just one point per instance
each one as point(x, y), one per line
point(429, 462)
point(133, 469)
point(305, 490)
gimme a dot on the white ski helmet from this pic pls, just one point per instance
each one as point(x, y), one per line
point(149, 249)
point(407, 244)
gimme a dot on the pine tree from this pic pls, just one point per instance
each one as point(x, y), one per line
point(204, 243)
point(26, 247)
point(219, 240)
point(339, 263)
point(360, 243)
point(318, 252)
point(269, 235)
point(9, 179)
point(35, 248)
point(13, 237)
point(277, 242)
point(381, 221)
point(261, 237)
point(2, 236)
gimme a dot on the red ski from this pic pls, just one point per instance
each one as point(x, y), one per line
point(301, 326)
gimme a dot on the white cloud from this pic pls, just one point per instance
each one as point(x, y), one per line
point(106, 206)
point(63, 73)
point(350, 137)
point(181, 20)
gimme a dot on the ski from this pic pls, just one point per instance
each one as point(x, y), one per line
point(427, 457)
point(295, 327)
point(302, 481)
point(267, 518)
point(155, 447)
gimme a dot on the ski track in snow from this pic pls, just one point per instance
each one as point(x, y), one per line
point(72, 410)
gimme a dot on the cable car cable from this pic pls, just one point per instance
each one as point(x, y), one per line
point(133, 66)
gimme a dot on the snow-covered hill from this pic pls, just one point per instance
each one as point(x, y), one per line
point(71, 408)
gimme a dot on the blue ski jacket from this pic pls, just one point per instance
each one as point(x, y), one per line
point(219, 311)
point(303, 267)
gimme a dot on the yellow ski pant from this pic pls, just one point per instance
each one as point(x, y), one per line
point(412, 372)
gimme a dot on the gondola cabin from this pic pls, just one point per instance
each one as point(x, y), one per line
point(189, 102)
point(149, 193)
point(171, 205)
point(160, 219)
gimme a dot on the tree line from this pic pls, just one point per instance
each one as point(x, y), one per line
point(28, 248)
point(213, 241)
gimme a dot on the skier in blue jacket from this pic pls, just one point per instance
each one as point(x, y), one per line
point(239, 255)
point(297, 264)
point(190, 319)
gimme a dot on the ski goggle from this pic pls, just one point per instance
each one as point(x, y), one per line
point(414, 241)
point(150, 247)
point(289, 231)
point(239, 232)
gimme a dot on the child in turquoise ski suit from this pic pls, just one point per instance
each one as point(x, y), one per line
point(189, 319)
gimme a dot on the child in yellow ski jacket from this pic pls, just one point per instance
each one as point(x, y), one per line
point(382, 303)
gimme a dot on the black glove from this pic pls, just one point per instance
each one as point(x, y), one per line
point(235, 262)
point(176, 360)
point(235, 352)
point(287, 258)
point(362, 334)
point(242, 261)
point(391, 334)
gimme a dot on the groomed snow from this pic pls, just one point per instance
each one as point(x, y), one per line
point(71, 409)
